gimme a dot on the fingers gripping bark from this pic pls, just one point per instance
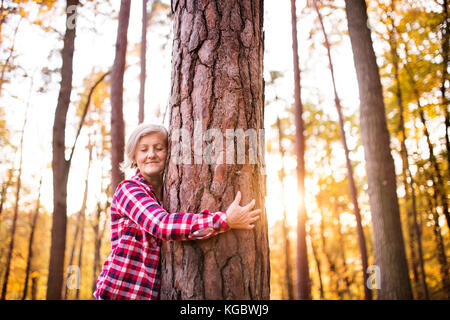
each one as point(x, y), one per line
point(242, 217)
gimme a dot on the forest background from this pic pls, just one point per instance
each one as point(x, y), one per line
point(411, 45)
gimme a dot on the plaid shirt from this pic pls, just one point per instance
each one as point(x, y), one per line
point(138, 226)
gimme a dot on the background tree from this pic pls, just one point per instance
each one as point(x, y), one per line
point(60, 165)
point(388, 239)
point(303, 279)
point(117, 122)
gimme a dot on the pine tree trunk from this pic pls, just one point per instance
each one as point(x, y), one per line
point(217, 84)
point(388, 241)
point(117, 122)
point(303, 279)
point(60, 165)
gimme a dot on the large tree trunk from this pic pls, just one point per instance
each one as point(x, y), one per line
point(217, 84)
point(303, 279)
point(60, 165)
point(351, 180)
point(117, 123)
point(389, 248)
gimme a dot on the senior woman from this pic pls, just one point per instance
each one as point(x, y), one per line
point(139, 223)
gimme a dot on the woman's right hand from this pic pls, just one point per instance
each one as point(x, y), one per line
point(241, 217)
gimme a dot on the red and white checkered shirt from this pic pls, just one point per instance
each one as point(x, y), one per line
point(138, 226)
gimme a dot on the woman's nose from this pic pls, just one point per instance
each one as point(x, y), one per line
point(151, 153)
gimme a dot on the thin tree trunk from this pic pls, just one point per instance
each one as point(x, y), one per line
point(440, 250)
point(217, 84)
point(351, 181)
point(411, 235)
point(143, 61)
point(72, 250)
point(80, 222)
point(83, 213)
point(445, 78)
point(317, 260)
point(341, 241)
point(417, 227)
point(437, 178)
point(323, 242)
point(30, 242)
point(388, 241)
point(5, 186)
point(10, 56)
point(80, 251)
point(98, 236)
point(117, 122)
point(303, 278)
point(60, 165)
point(16, 206)
point(34, 287)
point(404, 150)
point(286, 241)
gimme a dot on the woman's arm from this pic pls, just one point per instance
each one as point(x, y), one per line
point(132, 199)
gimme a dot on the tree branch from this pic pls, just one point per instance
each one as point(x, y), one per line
point(83, 116)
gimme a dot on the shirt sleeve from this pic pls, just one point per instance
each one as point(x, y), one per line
point(133, 200)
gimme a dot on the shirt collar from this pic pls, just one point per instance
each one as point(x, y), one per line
point(139, 177)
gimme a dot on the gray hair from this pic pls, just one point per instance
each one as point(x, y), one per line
point(142, 130)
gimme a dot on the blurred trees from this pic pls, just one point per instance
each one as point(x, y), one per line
point(410, 39)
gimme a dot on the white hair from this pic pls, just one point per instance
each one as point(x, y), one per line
point(142, 130)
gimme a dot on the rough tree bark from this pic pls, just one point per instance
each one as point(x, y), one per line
point(388, 241)
point(217, 84)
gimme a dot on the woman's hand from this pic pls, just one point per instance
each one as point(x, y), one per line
point(241, 217)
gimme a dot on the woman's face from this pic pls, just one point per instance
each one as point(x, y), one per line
point(150, 154)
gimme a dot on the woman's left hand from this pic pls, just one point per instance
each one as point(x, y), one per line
point(241, 217)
